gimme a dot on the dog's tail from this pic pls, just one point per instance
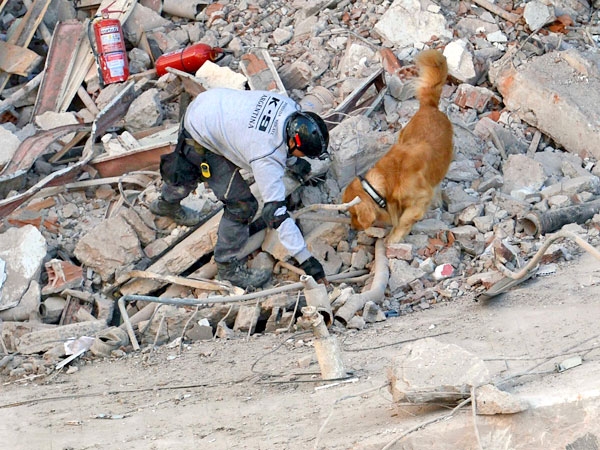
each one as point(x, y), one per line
point(433, 71)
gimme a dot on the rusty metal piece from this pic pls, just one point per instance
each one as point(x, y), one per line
point(13, 175)
point(133, 161)
point(59, 63)
point(538, 223)
point(351, 103)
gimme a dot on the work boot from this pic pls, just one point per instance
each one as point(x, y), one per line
point(239, 274)
point(182, 215)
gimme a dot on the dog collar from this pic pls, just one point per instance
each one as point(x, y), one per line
point(372, 193)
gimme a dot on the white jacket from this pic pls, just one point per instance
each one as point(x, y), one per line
point(248, 128)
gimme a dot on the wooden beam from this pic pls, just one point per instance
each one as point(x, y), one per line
point(18, 60)
point(25, 30)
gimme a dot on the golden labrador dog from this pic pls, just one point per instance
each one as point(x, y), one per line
point(398, 189)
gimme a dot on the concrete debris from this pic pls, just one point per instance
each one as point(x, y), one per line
point(490, 400)
point(522, 95)
point(429, 371)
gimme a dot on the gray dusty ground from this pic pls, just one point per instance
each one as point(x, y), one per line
point(252, 394)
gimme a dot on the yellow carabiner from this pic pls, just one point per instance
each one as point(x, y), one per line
point(205, 170)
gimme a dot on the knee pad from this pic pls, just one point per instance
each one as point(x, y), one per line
point(241, 211)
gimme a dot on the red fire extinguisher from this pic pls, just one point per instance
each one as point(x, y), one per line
point(110, 52)
point(188, 59)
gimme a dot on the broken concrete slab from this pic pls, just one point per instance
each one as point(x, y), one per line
point(419, 24)
point(10, 144)
point(432, 371)
point(45, 339)
point(551, 93)
point(490, 401)
point(109, 246)
point(22, 251)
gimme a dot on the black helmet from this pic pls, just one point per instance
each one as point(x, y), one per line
point(309, 132)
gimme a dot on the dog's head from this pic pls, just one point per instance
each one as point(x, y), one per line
point(363, 214)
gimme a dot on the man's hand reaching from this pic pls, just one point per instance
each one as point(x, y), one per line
point(301, 170)
point(313, 267)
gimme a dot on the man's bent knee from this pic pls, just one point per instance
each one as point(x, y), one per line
point(241, 211)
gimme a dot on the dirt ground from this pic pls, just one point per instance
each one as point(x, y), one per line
point(256, 394)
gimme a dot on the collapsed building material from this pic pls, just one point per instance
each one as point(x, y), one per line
point(30, 150)
point(20, 93)
point(212, 300)
point(316, 296)
point(208, 285)
point(51, 309)
point(539, 223)
point(43, 340)
point(60, 61)
point(327, 348)
point(513, 278)
point(17, 60)
point(357, 302)
point(25, 30)
point(261, 73)
point(106, 118)
point(356, 102)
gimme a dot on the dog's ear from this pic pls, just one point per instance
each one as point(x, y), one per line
point(364, 214)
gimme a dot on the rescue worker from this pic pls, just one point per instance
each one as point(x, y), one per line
point(265, 133)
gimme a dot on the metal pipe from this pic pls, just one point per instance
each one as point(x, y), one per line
point(377, 291)
point(538, 223)
point(211, 300)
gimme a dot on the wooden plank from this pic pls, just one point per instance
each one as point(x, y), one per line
point(138, 159)
point(63, 50)
point(182, 256)
point(83, 61)
point(42, 28)
point(18, 60)
point(191, 83)
point(25, 30)
point(20, 93)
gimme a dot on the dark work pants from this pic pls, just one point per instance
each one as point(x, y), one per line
point(240, 205)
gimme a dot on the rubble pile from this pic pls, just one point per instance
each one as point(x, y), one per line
point(79, 163)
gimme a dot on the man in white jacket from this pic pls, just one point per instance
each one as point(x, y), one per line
point(262, 132)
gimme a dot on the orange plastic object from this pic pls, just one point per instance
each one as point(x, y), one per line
point(188, 59)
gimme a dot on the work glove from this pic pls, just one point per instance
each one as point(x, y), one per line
point(314, 268)
point(300, 169)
